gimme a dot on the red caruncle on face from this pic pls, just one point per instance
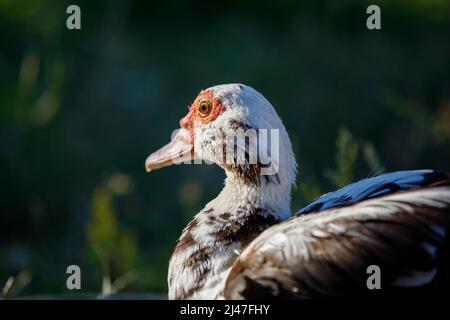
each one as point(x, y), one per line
point(205, 109)
point(195, 118)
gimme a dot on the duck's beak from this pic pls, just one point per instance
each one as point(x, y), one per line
point(179, 150)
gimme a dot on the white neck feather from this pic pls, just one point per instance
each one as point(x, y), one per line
point(216, 236)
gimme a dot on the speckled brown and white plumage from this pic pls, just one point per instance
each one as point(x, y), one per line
point(248, 204)
point(241, 246)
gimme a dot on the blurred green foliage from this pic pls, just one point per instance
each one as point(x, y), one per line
point(348, 152)
point(81, 110)
point(346, 156)
point(114, 250)
point(14, 285)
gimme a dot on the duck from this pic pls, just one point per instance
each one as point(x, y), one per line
point(247, 244)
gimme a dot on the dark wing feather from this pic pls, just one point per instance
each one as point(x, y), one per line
point(375, 187)
point(327, 254)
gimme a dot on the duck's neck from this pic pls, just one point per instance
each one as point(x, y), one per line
point(210, 243)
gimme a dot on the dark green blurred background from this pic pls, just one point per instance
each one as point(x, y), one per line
point(81, 110)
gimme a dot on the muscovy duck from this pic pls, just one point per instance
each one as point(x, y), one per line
point(246, 244)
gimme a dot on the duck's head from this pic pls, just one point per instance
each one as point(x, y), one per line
point(235, 127)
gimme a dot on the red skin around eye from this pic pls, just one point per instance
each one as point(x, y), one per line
point(192, 117)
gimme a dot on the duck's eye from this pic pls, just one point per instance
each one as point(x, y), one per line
point(204, 108)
